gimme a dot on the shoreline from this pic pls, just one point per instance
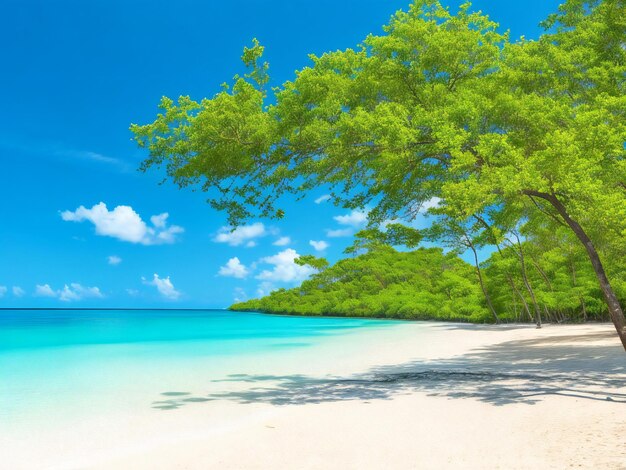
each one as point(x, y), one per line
point(452, 415)
point(414, 320)
point(415, 395)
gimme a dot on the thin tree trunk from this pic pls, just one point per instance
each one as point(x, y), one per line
point(516, 314)
point(527, 283)
point(580, 297)
point(582, 303)
point(497, 245)
point(615, 309)
point(542, 273)
point(521, 296)
point(549, 284)
point(549, 315)
point(482, 284)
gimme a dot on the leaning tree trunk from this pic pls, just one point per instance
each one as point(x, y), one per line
point(527, 283)
point(521, 296)
point(615, 309)
point(482, 283)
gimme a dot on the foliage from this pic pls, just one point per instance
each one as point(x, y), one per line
point(440, 105)
point(313, 261)
point(392, 234)
point(558, 272)
point(428, 284)
point(421, 284)
point(383, 124)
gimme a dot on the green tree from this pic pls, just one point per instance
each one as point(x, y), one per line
point(560, 120)
point(461, 237)
point(315, 262)
point(382, 282)
point(564, 286)
point(440, 105)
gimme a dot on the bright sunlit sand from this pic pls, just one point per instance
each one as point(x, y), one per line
point(317, 393)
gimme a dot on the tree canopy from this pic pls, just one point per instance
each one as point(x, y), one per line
point(440, 105)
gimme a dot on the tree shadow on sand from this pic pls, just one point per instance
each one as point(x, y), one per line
point(521, 371)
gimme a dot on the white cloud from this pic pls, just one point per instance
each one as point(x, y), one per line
point(319, 245)
point(284, 270)
point(18, 291)
point(3, 290)
point(385, 223)
point(432, 203)
point(44, 291)
point(164, 286)
point(342, 232)
point(125, 224)
point(95, 156)
point(323, 198)
point(244, 234)
point(265, 288)
point(420, 221)
point(234, 268)
point(53, 149)
point(282, 241)
point(167, 236)
point(159, 221)
point(132, 292)
point(77, 292)
point(240, 295)
point(356, 218)
point(69, 293)
point(114, 260)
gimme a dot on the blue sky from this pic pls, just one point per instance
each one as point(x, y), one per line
point(76, 74)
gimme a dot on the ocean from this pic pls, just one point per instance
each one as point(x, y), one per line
point(70, 365)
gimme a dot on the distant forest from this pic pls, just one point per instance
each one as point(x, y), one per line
point(546, 277)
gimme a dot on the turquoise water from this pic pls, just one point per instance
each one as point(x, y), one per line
point(55, 363)
point(35, 329)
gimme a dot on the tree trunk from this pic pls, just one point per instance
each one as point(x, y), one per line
point(615, 309)
point(517, 315)
point(542, 273)
point(521, 296)
point(482, 284)
point(549, 314)
point(527, 283)
point(582, 304)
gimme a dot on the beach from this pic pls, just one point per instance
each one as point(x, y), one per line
point(407, 395)
point(343, 235)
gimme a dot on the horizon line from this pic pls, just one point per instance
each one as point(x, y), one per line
point(108, 308)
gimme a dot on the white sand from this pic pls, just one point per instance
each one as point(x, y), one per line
point(418, 396)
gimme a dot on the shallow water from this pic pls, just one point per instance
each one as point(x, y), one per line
point(60, 364)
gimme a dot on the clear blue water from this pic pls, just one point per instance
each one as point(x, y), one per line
point(35, 329)
point(77, 361)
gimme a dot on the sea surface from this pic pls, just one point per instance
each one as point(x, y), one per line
point(61, 365)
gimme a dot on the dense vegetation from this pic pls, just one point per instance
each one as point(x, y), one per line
point(428, 284)
point(506, 134)
point(548, 276)
point(422, 284)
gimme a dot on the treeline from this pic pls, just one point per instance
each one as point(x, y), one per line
point(548, 277)
point(421, 284)
point(544, 276)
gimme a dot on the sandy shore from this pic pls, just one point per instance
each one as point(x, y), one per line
point(422, 396)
